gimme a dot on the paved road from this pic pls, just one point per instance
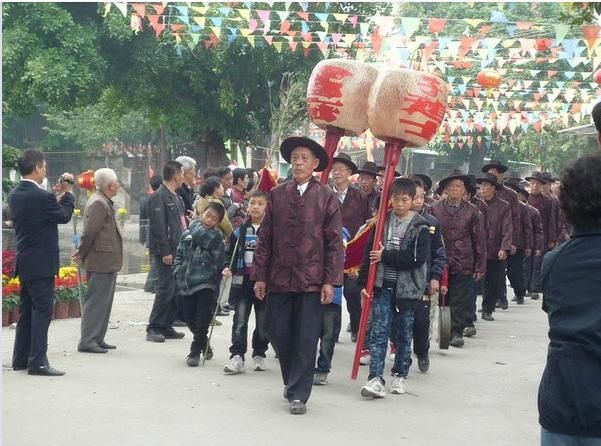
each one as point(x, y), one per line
point(144, 394)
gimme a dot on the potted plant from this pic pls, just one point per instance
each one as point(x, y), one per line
point(10, 299)
point(62, 296)
point(74, 303)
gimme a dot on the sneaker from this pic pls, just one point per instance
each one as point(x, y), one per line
point(397, 385)
point(354, 337)
point(297, 407)
point(227, 307)
point(456, 341)
point(235, 366)
point(193, 359)
point(374, 388)
point(468, 332)
point(487, 317)
point(259, 362)
point(423, 363)
point(222, 312)
point(155, 336)
point(320, 379)
point(365, 358)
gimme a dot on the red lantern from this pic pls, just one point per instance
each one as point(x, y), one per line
point(543, 44)
point(85, 180)
point(489, 78)
point(597, 76)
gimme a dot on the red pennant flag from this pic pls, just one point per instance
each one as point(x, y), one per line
point(306, 51)
point(140, 8)
point(293, 45)
point(303, 15)
point(376, 40)
point(436, 25)
point(285, 26)
point(158, 8)
point(267, 180)
point(154, 22)
point(353, 20)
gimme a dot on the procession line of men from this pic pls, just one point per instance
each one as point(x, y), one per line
point(292, 258)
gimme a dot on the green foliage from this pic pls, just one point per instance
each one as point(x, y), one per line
point(10, 156)
point(10, 302)
point(578, 13)
point(62, 294)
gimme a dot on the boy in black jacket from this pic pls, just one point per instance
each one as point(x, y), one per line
point(241, 248)
point(400, 284)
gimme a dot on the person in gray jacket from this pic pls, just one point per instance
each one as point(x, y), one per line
point(167, 222)
point(401, 281)
point(101, 255)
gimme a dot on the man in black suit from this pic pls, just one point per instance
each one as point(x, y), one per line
point(36, 214)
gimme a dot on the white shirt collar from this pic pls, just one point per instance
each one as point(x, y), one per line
point(302, 188)
point(341, 194)
point(31, 181)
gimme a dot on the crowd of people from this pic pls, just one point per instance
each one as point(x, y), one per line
point(229, 246)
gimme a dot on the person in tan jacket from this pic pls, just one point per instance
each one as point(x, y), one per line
point(101, 254)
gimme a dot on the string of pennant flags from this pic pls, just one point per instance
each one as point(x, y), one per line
point(534, 97)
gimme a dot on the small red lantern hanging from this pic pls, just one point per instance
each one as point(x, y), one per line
point(597, 76)
point(489, 78)
point(85, 180)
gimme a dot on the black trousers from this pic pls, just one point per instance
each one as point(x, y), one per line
point(421, 328)
point(458, 298)
point(294, 322)
point(151, 278)
point(198, 311)
point(494, 284)
point(515, 273)
point(536, 284)
point(471, 315)
point(332, 314)
point(243, 299)
point(31, 338)
point(352, 294)
point(527, 272)
point(163, 309)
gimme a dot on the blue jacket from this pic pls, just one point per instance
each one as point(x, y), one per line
point(569, 396)
point(35, 214)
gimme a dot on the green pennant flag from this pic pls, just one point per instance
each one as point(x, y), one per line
point(561, 30)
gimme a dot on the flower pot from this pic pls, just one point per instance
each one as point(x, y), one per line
point(61, 310)
point(74, 308)
point(5, 317)
point(14, 315)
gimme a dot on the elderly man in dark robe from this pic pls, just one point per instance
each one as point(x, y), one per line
point(368, 176)
point(298, 262)
point(465, 247)
point(354, 205)
point(498, 244)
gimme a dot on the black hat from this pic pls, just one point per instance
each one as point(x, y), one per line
point(370, 168)
point(346, 159)
point(383, 167)
point(490, 178)
point(455, 174)
point(425, 179)
point(502, 168)
point(291, 143)
point(537, 176)
point(516, 185)
point(549, 177)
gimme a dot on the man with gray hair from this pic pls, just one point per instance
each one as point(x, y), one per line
point(186, 190)
point(101, 255)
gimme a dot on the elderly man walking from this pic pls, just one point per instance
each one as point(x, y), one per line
point(299, 260)
point(101, 255)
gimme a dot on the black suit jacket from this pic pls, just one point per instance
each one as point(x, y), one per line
point(166, 212)
point(35, 214)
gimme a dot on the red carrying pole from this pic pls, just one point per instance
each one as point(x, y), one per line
point(333, 135)
point(392, 154)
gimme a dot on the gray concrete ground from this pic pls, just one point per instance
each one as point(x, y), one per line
point(144, 394)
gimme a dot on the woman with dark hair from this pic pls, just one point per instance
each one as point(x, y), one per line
point(212, 190)
point(569, 397)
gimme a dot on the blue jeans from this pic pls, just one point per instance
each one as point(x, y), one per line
point(388, 322)
point(548, 438)
point(243, 300)
point(332, 314)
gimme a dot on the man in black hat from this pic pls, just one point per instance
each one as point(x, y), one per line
point(516, 254)
point(368, 175)
point(299, 259)
point(355, 212)
point(516, 275)
point(556, 219)
point(498, 244)
point(544, 206)
point(465, 247)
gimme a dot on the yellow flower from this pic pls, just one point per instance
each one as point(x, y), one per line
point(67, 271)
point(76, 212)
point(14, 281)
point(122, 212)
point(5, 279)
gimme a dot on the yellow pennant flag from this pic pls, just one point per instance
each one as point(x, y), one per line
point(251, 40)
point(245, 32)
point(200, 20)
point(216, 30)
point(326, 25)
point(200, 9)
point(244, 13)
point(278, 46)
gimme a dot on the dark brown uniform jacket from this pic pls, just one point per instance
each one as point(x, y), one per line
point(537, 229)
point(500, 227)
point(371, 198)
point(355, 210)
point(300, 248)
point(511, 197)
point(543, 204)
point(526, 230)
point(463, 237)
